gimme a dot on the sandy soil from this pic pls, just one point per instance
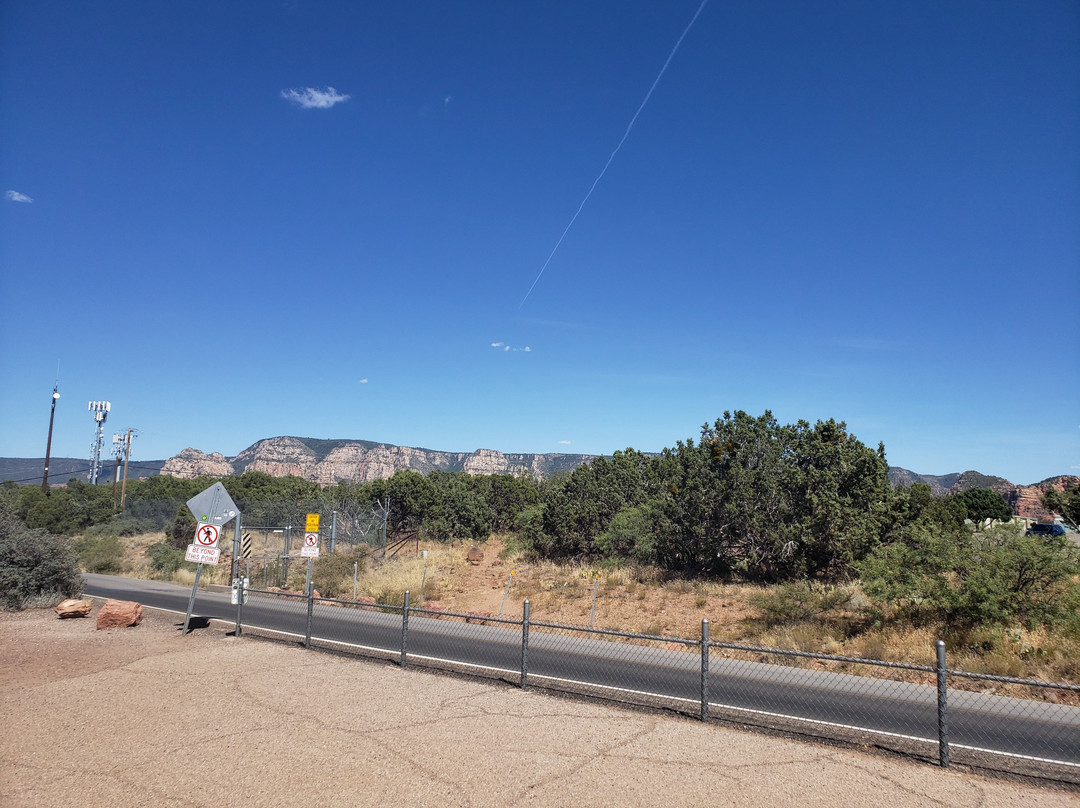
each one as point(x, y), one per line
point(127, 717)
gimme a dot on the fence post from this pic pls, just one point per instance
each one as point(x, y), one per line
point(236, 574)
point(404, 627)
point(238, 588)
point(705, 669)
point(942, 708)
point(310, 607)
point(525, 646)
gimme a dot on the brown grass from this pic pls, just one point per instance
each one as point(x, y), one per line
point(645, 600)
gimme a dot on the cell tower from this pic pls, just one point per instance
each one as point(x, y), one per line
point(101, 412)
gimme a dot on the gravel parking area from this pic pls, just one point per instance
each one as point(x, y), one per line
point(127, 717)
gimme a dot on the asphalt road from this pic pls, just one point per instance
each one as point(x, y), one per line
point(1028, 729)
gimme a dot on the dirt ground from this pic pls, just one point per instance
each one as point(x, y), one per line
point(127, 717)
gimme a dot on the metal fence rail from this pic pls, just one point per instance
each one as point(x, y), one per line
point(914, 709)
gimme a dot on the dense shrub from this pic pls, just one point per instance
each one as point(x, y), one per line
point(121, 526)
point(102, 554)
point(794, 603)
point(967, 579)
point(166, 559)
point(34, 563)
point(332, 574)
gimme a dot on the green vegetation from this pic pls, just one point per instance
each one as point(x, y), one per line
point(332, 574)
point(806, 508)
point(102, 554)
point(165, 559)
point(984, 503)
point(36, 567)
point(1066, 502)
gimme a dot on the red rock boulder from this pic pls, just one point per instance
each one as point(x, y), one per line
point(119, 614)
point(73, 608)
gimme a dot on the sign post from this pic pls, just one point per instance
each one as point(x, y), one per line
point(211, 509)
point(310, 550)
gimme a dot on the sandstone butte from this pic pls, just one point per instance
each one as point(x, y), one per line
point(331, 461)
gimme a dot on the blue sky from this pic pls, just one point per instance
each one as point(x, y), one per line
point(247, 219)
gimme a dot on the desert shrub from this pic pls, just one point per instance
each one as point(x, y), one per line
point(789, 604)
point(332, 574)
point(102, 554)
point(181, 532)
point(994, 578)
point(121, 526)
point(34, 564)
point(166, 559)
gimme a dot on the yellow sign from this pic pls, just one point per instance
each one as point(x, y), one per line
point(312, 525)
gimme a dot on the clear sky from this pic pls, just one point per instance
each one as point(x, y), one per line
point(247, 219)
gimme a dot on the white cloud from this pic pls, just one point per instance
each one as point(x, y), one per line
point(565, 442)
point(15, 196)
point(496, 345)
point(363, 381)
point(311, 98)
point(502, 346)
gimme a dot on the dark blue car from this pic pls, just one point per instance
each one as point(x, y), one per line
point(1043, 529)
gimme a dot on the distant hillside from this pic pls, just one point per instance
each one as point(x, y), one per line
point(1025, 500)
point(331, 461)
point(28, 470)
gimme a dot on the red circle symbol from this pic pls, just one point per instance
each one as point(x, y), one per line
point(311, 539)
point(207, 535)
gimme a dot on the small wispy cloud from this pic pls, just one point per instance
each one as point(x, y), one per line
point(363, 381)
point(502, 346)
point(313, 98)
point(564, 442)
point(15, 196)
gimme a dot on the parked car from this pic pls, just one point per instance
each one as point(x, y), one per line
point(1043, 529)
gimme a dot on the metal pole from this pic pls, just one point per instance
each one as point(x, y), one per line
point(191, 600)
point(127, 456)
point(333, 530)
point(942, 708)
point(596, 585)
point(354, 571)
point(236, 574)
point(48, 444)
point(423, 580)
point(509, 581)
point(310, 606)
point(404, 627)
point(525, 646)
point(285, 560)
point(705, 670)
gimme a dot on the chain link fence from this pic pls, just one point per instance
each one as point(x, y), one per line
point(927, 711)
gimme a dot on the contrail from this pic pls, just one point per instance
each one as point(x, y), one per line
point(626, 134)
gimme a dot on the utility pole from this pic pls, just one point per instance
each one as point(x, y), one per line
point(48, 445)
point(118, 451)
point(127, 455)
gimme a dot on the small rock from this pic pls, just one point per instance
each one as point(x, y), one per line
point(119, 614)
point(73, 608)
point(478, 618)
point(366, 600)
point(475, 555)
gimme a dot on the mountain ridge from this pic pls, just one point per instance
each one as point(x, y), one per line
point(331, 460)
